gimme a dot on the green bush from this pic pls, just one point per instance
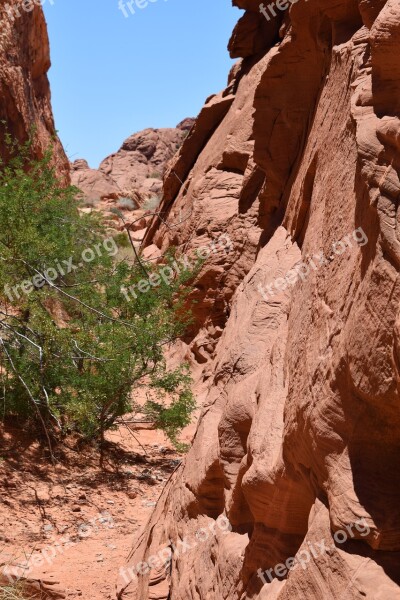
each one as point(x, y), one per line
point(73, 350)
point(122, 240)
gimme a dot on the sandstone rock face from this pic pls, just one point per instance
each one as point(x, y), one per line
point(136, 170)
point(24, 87)
point(298, 327)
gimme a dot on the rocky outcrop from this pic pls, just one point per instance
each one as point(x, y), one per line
point(24, 88)
point(94, 184)
point(298, 328)
point(136, 170)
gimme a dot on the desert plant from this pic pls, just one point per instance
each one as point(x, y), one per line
point(17, 591)
point(152, 203)
point(79, 371)
point(154, 175)
point(90, 202)
point(126, 204)
point(122, 240)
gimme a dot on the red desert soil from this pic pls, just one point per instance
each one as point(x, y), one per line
point(46, 510)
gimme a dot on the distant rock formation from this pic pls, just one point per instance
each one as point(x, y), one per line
point(24, 87)
point(136, 170)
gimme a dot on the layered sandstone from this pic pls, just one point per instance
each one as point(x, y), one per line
point(25, 108)
point(299, 438)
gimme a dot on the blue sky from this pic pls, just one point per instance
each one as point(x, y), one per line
point(112, 76)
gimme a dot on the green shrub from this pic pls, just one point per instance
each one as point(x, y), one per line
point(122, 240)
point(73, 350)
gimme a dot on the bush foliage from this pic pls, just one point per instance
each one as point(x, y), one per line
point(73, 351)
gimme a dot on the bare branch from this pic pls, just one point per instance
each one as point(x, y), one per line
point(34, 402)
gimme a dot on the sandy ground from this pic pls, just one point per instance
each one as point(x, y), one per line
point(73, 523)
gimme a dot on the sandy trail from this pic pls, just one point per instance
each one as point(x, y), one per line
point(75, 524)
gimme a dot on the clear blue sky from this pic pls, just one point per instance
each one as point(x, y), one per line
point(112, 76)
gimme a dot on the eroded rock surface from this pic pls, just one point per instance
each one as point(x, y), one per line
point(298, 327)
point(24, 87)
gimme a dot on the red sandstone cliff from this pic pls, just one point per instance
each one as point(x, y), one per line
point(299, 438)
point(24, 86)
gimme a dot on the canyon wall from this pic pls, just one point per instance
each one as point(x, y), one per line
point(297, 328)
point(25, 105)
